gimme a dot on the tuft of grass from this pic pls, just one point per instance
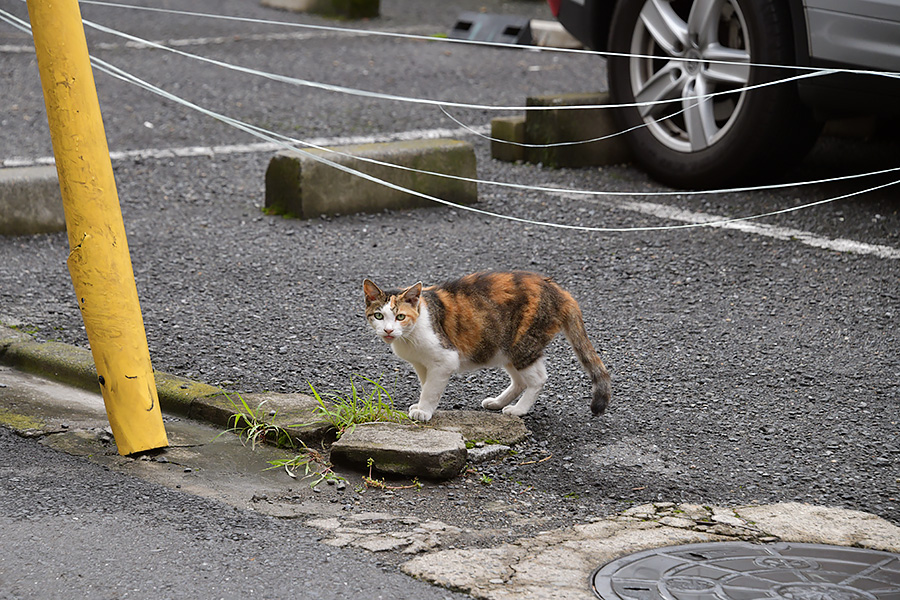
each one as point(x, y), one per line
point(254, 429)
point(379, 484)
point(360, 405)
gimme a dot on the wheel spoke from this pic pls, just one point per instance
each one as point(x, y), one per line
point(698, 115)
point(737, 69)
point(669, 31)
point(664, 85)
point(703, 21)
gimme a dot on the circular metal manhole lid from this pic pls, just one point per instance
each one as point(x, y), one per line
point(745, 571)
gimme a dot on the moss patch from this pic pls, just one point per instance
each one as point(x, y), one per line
point(20, 422)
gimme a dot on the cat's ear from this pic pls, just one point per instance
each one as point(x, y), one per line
point(372, 291)
point(412, 294)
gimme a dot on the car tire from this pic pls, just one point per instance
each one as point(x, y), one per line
point(666, 50)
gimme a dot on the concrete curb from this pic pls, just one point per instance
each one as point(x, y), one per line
point(296, 413)
point(30, 201)
point(75, 366)
point(299, 186)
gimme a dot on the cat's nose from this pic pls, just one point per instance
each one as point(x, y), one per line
point(388, 331)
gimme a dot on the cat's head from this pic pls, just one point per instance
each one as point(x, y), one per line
point(392, 313)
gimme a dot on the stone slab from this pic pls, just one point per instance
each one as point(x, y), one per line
point(341, 9)
point(30, 201)
point(299, 185)
point(820, 525)
point(405, 450)
point(573, 125)
point(481, 426)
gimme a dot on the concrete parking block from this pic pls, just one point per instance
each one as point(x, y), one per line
point(573, 125)
point(551, 34)
point(300, 186)
point(30, 201)
point(504, 130)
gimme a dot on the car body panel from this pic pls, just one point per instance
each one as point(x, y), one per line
point(850, 34)
point(862, 32)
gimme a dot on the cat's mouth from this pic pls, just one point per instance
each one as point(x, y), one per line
point(388, 338)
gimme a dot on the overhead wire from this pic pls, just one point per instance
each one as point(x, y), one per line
point(448, 40)
point(279, 140)
point(139, 40)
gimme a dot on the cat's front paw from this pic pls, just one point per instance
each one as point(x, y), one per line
point(417, 414)
point(515, 411)
point(493, 403)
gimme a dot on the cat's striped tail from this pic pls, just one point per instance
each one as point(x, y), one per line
point(573, 327)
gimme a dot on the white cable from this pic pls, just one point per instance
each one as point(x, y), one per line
point(116, 72)
point(489, 138)
point(460, 41)
point(279, 139)
point(430, 102)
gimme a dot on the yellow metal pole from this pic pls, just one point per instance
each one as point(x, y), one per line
point(99, 261)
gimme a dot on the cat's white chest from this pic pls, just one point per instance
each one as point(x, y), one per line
point(423, 346)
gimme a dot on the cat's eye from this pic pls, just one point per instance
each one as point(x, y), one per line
point(378, 316)
point(401, 317)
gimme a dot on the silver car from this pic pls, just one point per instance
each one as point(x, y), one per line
point(694, 77)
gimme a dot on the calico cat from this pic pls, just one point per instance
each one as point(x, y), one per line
point(489, 319)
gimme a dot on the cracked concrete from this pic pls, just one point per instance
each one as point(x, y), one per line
point(558, 564)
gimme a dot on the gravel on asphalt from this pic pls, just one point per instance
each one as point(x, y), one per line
point(745, 369)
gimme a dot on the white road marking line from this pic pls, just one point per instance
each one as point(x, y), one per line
point(188, 151)
point(225, 39)
point(772, 231)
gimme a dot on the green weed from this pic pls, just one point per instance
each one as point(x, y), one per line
point(251, 427)
point(313, 464)
point(361, 405)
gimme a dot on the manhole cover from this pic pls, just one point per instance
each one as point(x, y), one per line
point(745, 571)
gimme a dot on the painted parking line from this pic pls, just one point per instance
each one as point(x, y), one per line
point(227, 39)
point(221, 150)
point(661, 211)
point(681, 215)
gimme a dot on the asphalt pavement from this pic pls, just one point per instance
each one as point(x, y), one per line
point(749, 365)
point(75, 529)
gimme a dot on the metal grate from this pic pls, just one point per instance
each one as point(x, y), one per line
point(745, 571)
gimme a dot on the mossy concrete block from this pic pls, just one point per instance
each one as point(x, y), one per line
point(573, 125)
point(508, 129)
point(341, 9)
point(407, 450)
point(9, 336)
point(299, 185)
point(179, 395)
point(30, 201)
point(75, 366)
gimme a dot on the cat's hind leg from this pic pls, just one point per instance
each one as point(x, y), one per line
point(516, 387)
point(533, 376)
